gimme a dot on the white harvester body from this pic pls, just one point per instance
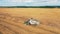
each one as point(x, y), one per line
point(32, 22)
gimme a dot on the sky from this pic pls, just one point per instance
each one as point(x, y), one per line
point(29, 2)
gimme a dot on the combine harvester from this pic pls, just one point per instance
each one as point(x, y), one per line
point(32, 21)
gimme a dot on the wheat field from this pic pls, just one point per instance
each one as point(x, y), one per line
point(12, 20)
